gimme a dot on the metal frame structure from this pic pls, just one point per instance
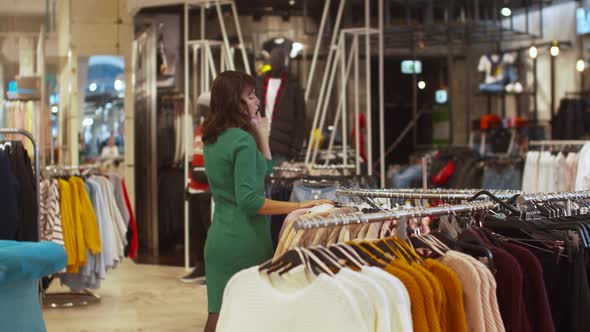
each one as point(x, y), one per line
point(337, 59)
point(205, 75)
point(480, 23)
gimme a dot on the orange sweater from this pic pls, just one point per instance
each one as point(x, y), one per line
point(455, 320)
point(427, 290)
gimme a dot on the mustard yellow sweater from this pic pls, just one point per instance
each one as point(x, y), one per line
point(68, 226)
point(87, 217)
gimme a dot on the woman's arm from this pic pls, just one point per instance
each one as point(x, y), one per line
point(272, 207)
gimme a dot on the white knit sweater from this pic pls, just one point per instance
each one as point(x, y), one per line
point(251, 303)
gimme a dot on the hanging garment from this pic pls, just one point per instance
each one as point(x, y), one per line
point(28, 213)
point(9, 194)
point(279, 308)
point(583, 174)
point(133, 237)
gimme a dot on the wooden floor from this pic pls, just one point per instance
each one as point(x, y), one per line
point(136, 298)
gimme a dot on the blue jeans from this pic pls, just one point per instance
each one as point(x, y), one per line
point(304, 192)
point(405, 178)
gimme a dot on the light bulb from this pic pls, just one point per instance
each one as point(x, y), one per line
point(533, 52)
point(554, 50)
point(421, 85)
point(580, 65)
point(506, 11)
point(54, 109)
point(92, 87)
point(119, 85)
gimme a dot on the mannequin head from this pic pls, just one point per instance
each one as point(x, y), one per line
point(278, 61)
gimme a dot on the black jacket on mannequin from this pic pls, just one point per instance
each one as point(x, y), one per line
point(287, 129)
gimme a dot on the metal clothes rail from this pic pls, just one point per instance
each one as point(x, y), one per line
point(557, 142)
point(552, 197)
point(449, 194)
point(359, 217)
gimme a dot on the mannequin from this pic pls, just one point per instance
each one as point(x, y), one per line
point(282, 107)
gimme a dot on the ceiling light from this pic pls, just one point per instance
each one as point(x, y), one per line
point(421, 85)
point(533, 52)
point(87, 122)
point(54, 109)
point(554, 50)
point(506, 12)
point(119, 85)
point(580, 65)
point(92, 87)
point(291, 2)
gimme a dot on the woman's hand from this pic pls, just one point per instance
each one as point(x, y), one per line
point(310, 204)
point(260, 125)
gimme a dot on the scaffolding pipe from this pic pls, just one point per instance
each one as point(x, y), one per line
point(324, 109)
point(318, 44)
point(211, 63)
point(345, 75)
point(357, 107)
point(368, 86)
point(381, 91)
point(230, 59)
point(240, 38)
point(329, 65)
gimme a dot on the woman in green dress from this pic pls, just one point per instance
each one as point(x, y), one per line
point(237, 159)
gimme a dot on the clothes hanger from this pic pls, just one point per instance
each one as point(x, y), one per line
point(322, 267)
point(339, 250)
point(332, 264)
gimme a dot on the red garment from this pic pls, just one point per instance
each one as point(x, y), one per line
point(198, 160)
point(134, 243)
point(489, 121)
point(444, 174)
point(362, 125)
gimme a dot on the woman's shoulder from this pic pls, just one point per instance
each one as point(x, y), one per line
point(230, 140)
point(236, 135)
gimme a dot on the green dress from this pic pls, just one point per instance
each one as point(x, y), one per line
point(238, 238)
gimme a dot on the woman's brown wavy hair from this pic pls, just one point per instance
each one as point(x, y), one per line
point(227, 109)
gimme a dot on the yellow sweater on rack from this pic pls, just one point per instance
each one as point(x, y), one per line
point(456, 320)
point(87, 218)
point(67, 224)
point(76, 217)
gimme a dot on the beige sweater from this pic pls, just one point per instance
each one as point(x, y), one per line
point(472, 289)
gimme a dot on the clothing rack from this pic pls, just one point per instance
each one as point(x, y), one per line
point(556, 142)
point(70, 299)
point(450, 194)
point(333, 166)
point(552, 197)
point(359, 217)
point(7, 131)
point(288, 169)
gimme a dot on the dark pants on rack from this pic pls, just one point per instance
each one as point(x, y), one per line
point(200, 220)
